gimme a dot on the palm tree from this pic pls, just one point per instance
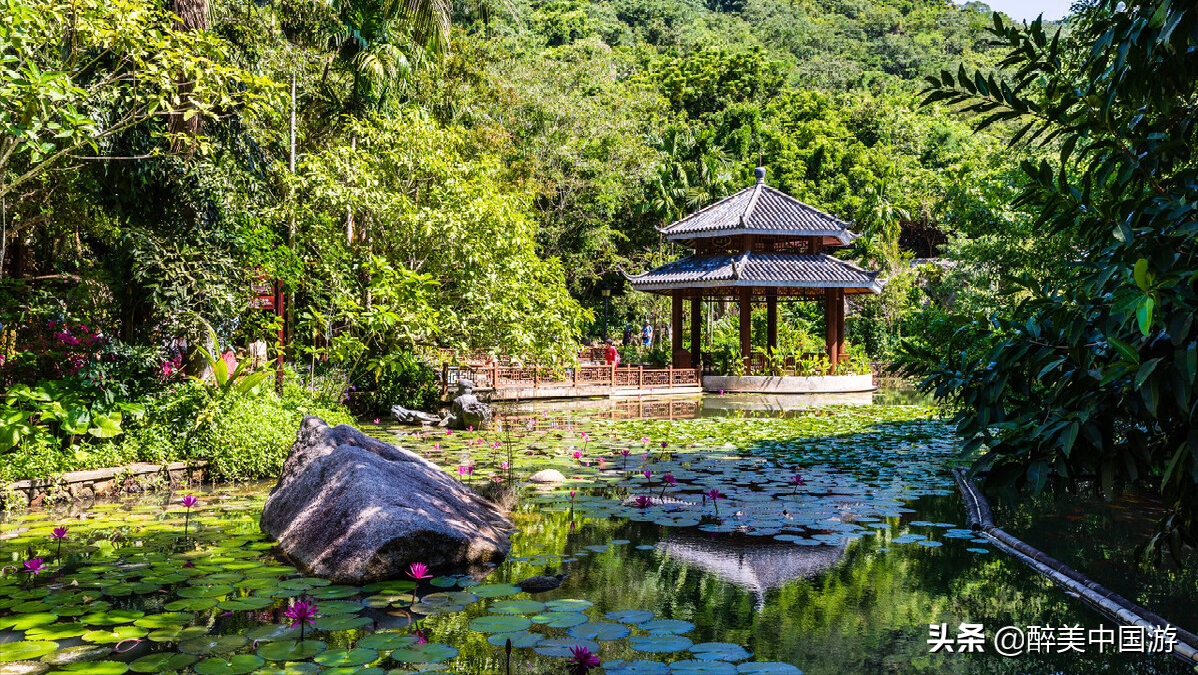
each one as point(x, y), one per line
point(882, 222)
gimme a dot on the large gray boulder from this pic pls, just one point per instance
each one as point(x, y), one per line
point(353, 509)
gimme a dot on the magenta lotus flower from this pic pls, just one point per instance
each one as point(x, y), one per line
point(583, 659)
point(713, 494)
point(503, 466)
point(188, 501)
point(469, 428)
point(577, 455)
point(625, 453)
point(59, 533)
point(644, 501)
point(644, 440)
point(418, 571)
point(302, 615)
point(647, 473)
point(669, 479)
point(495, 445)
point(34, 566)
point(376, 420)
point(665, 444)
point(436, 447)
point(449, 432)
point(303, 612)
point(420, 639)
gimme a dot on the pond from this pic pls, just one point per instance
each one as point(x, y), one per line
point(786, 539)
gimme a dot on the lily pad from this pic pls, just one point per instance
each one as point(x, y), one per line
point(560, 647)
point(636, 667)
point(600, 630)
point(161, 662)
point(767, 668)
point(213, 644)
point(500, 624)
point(519, 640)
point(238, 664)
point(340, 658)
point(701, 667)
point(560, 619)
point(659, 644)
point(387, 640)
point(516, 607)
point(25, 650)
point(631, 616)
point(290, 650)
point(429, 652)
point(667, 626)
point(494, 590)
point(720, 651)
point(96, 668)
point(568, 605)
point(272, 631)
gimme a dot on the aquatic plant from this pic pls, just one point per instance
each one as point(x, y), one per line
point(59, 533)
point(644, 501)
point(667, 480)
point(714, 495)
point(33, 567)
point(797, 480)
point(583, 660)
point(301, 614)
point(418, 571)
point(188, 501)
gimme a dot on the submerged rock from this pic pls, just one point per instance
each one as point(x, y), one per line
point(467, 412)
point(354, 509)
point(541, 583)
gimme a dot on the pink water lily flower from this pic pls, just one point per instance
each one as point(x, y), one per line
point(302, 612)
point(669, 479)
point(60, 532)
point(190, 501)
point(418, 571)
point(583, 659)
point(34, 566)
point(577, 455)
point(644, 502)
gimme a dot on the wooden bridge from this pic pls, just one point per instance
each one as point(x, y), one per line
point(505, 382)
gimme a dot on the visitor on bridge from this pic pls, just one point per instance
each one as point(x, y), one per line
point(647, 335)
point(627, 334)
point(611, 356)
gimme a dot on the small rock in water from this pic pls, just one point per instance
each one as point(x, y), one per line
point(547, 476)
point(541, 583)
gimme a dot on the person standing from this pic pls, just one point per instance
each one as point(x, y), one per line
point(647, 335)
point(627, 334)
point(610, 355)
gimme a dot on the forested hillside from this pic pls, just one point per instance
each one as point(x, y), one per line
point(467, 177)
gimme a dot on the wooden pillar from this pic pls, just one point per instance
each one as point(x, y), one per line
point(676, 328)
point(830, 322)
point(771, 314)
point(839, 323)
point(696, 330)
point(746, 325)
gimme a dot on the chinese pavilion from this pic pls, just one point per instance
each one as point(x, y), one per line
point(759, 245)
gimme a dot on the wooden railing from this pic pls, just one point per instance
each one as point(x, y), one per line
point(497, 376)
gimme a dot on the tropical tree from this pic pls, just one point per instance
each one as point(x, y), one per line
point(1095, 374)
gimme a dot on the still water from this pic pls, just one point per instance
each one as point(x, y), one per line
point(834, 539)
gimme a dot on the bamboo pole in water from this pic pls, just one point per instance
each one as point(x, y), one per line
point(1106, 601)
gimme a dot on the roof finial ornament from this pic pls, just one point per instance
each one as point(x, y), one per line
point(760, 173)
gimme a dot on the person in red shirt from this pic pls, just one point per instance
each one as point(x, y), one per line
point(611, 356)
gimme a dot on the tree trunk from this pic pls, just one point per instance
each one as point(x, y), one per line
point(193, 15)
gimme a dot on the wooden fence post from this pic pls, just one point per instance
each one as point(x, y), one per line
point(495, 376)
point(640, 376)
point(536, 377)
point(671, 387)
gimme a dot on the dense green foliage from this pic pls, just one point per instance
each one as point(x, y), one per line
point(448, 190)
point(1093, 373)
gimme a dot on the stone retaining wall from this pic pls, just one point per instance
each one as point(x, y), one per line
point(91, 483)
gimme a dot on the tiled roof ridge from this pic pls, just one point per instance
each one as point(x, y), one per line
point(703, 210)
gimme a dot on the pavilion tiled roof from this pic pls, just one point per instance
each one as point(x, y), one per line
point(759, 209)
point(762, 270)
